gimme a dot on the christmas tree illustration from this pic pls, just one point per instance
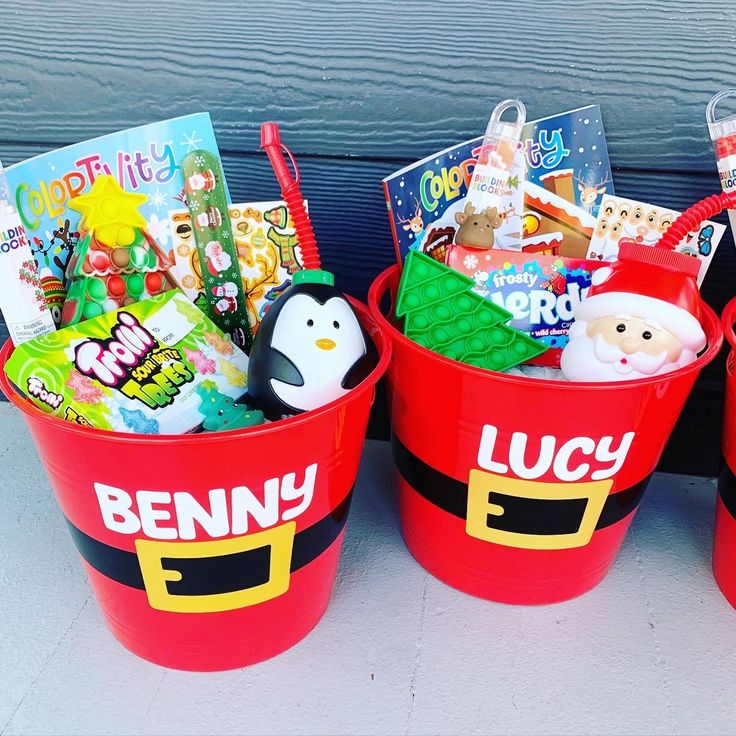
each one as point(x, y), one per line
point(116, 262)
point(443, 314)
point(222, 413)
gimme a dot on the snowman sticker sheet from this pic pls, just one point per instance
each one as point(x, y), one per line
point(620, 218)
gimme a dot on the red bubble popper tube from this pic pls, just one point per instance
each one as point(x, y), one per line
point(310, 348)
point(292, 195)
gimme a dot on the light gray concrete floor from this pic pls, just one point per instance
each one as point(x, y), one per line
point(652, 650)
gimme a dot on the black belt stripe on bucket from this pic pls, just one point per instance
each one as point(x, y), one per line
point(523, 516)
point(213, 578)
point(727, 488)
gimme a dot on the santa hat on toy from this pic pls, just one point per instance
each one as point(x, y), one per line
point(651, 283)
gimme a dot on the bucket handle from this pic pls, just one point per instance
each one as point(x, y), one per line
point(727, 320)
point(378, 291)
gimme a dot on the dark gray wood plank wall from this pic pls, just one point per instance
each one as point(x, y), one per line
point(362, 88)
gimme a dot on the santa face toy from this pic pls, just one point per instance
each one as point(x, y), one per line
point(641, 318)
point(309, 349)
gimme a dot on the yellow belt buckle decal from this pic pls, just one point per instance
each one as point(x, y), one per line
point(481, 484)
point(151, 553)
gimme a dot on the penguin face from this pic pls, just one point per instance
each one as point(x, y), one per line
point(326, 337)
point(309, 350)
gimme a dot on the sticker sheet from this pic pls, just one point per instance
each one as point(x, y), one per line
point(646, 223)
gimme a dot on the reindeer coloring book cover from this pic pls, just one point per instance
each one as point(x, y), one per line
point(145, 160)
point(566, 155)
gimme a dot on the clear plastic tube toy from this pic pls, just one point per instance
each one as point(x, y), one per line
point(497, 185)
point(723, 134)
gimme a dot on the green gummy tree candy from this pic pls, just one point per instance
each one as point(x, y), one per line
point(221, 413)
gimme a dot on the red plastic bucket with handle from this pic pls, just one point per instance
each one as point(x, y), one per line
point(724, 537)
point(515, 489)
point(210, 551)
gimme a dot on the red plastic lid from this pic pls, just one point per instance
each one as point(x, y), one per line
point(630, 250)
point(652, 272)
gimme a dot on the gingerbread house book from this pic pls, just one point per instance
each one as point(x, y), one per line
point(547, 213)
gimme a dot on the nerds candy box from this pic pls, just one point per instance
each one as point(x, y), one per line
point(136, 369)
point(541, 291)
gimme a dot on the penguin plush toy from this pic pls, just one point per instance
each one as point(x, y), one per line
point(310, 348)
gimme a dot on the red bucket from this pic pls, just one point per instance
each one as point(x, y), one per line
point(521, 490)
point(210, 551)
point(724, 537)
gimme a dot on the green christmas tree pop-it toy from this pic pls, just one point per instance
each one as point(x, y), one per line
point(443, 314)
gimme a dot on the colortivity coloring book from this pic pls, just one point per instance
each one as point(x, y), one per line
point(566, 156)
point(145, 160)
